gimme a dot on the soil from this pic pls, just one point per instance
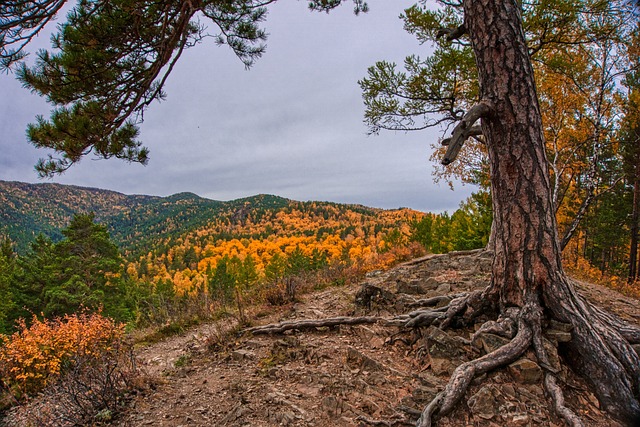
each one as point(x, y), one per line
point(352, 375)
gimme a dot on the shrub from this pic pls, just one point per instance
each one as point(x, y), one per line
point(79, 366)
point(90, 392)
point(37, 355)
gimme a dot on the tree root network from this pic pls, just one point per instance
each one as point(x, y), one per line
point(523, 327)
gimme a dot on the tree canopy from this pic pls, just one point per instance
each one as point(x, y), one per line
point(109, 61)
point(582, 52)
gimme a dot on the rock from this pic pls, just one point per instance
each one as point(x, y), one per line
point(442, 366)
point(240, 354)
point(236, 413)
point(525, 371)
point(552, 354)
point(253, 344)
point(467, 263)
point(308, 390)
point(403, 287)
point(483, 403)
point(357, 359)
point(559, 326)
point(416, 286)
point(443, 289)
point(444, 350)
point(369, 294)
point(509, 391)
point(520, 420)
point(441, 344)
point(489, 342)
point(430, 284)
point(287, 418)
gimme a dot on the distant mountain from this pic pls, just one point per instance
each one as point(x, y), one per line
point(134, 221)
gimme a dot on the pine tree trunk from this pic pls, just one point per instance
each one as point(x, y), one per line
point(527, 256)
point(633, 252)
point(527, 270)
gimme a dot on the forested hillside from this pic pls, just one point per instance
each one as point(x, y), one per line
point(159, 259)
point(133, 221)
point(148, 255)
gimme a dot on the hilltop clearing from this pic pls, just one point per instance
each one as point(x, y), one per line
point(360, 375)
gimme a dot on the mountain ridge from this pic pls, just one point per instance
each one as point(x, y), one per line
point(134, 221)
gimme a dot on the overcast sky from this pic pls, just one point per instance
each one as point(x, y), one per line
point(291, 125)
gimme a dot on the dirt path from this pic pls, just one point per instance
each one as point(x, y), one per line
point(349, 376)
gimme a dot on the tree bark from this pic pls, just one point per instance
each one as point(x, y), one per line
point(526, 249)
point(633, 252)
point(527, 271)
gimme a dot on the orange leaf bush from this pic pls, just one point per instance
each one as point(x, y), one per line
point(37, 355)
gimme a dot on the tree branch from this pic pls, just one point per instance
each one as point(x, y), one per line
point(473, 131)
point(462, 130)
point(451, 34)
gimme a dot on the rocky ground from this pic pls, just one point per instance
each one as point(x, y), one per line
point(355, 375)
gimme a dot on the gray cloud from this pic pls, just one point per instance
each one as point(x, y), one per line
point(291, 126)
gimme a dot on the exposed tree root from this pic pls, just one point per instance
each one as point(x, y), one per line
point(437, 300)
point(278, 328)
point(384, 423)
point(467, 307)
point(465, 373)
point(600, 352)
point(630, 332)
point(418, 318)
point(427, 414)
point(557, 398)
point(505, 326)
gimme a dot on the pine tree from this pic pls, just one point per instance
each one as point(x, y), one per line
point(8, 268)
point(81, 271)
point(109, 62)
